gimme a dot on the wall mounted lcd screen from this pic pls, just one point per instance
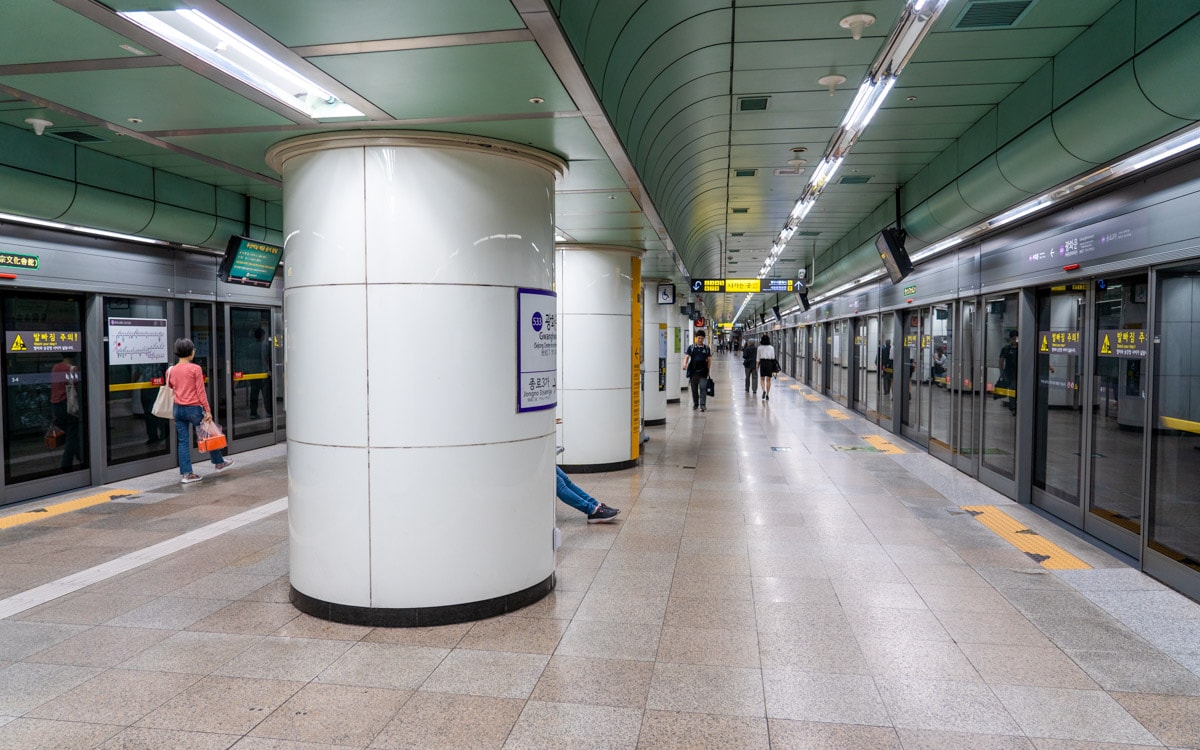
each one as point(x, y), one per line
point(775, 310)
point(802, 298)
point(249, 262)
point(890, 244)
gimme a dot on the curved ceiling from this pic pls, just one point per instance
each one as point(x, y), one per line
point(678, 118)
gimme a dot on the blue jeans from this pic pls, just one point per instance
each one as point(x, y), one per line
point(184, 416)
point(572, 495)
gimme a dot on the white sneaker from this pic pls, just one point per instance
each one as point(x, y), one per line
point(189, 478)
point(226, 465)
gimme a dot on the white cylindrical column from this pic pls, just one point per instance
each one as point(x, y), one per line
point(676, 344)
point(599, 353)
point(654, 356)
point(418, 493)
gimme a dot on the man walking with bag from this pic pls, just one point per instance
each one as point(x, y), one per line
point(696, 364)
point(750, 364)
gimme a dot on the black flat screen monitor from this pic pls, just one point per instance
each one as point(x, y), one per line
point(890, 244)
point(250, 262)
point(775, 309)
point(802, 298)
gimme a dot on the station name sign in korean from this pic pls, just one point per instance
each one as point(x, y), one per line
point(537, 349)
point(742, 286)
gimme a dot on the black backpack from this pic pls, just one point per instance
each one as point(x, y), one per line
point(749, 355)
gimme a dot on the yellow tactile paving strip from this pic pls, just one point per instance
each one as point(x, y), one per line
point(17, 519)
point(837, 413)
point(811, 397)
point(879, 443)
point(1041, 549)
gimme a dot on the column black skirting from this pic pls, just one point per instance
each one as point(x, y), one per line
point(672, 401)
point(597, 468)
point(655, 422)
point(419, 617)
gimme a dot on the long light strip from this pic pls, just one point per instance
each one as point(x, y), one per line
point(210, 42)
point(915, 22)
point(14, 219)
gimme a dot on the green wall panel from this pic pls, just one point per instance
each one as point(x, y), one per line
point(984, 188)
point(1025, 106)
point(978, 142)
point(105, 209)
point(1094, 53)
point(180, 191)
point(1036, 160)
point(1156, 18)
point(181, 225)
point(24, 150)
point(118, 175)
point(1163, 70)
point(1130, 120)
point(32, 194)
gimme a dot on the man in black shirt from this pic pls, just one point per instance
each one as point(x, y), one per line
point(696, 364)
point(750, 363)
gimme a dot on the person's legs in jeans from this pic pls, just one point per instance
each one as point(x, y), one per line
point(572, 495)
point(184, 416)
point(695, 380)
point(703, 392)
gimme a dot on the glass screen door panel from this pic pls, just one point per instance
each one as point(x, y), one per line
point(1058, 406)
point(941, 395)
point(138, 353)
point(45, 424)
point(915, 371)
point(200, 331)
point(251, 371)
point(818, 358)
point(1174, 508)
point(839, 364)
point(860, 364)
point(871, 367)
point(965, 376)
point(885, 360)
point(279, 386)
point(1118, 401)
point(1001, 354)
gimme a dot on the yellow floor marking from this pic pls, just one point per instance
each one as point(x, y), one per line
point(837, 413)
point(812, 397)
point(58, 509)
point(1048, 554)
point(883, 446)
point(794, 387)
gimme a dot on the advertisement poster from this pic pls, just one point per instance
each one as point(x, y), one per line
point(537, 349)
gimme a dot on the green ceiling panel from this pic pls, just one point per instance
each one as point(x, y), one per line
point(654, 40)
point(647, 94)
point(301, 22)
point(1156, 19)
point(1036, 160)
point(1094, 53)
point(595, 174)
point(800, 54)
point(944, 168)
point(181, 191)
point(488, 79)
point(579, 203)
point(117, 95)
point(964, 115)
point(230, 205)
point(1028, 104)
point(177, 224)
point(995, 45)
point(37, 31)
point(566, 136)
point(603, 221)
point(782, 22)
point(965, 75)
point(709, 93)
point(950, 210)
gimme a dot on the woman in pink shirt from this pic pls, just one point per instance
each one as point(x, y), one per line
point(191, 408)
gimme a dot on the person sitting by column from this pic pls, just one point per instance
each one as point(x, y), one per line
point(571, 494)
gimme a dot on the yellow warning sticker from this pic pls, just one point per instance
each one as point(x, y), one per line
point(1046, 553)
point(1045, 343)
point(18, 345)
point(1106, 345)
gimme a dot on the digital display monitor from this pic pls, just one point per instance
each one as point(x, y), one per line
point(775, 310)
point(802, 298)
point(890, 244)
point(250, 262)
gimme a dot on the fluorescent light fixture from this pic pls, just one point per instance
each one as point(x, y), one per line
point(821, 176)
point(1013, 214)
point(11, 218)
point(1161, 152)
point(205, 39)
point(870, 96)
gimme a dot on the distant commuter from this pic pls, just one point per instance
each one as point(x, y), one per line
point(191, 408)
point(883, 360)
point(767, 366)
point(750, 365)
point(65, 408)
point(1008, 371)
point(696, 362)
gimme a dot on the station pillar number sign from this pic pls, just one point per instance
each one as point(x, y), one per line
point(742, 286)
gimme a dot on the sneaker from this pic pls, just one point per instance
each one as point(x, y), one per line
point(603, 514)
point(703, 408)
point(189, 478)
point(223, 466)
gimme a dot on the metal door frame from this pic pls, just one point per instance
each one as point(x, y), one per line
point(969, 463)
point(252, 441)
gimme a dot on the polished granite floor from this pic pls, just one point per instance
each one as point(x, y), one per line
point(762, 589)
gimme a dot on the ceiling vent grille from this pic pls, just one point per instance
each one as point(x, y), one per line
point(745, 172)
point(753, 103)
point(741, 211)
point(807, 234)
point(737, 234)
point(76, 136)
point(991, 14)
point(855, 179)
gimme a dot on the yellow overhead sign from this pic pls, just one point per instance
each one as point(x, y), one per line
point(740, 286)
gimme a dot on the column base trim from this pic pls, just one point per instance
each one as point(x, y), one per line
point(597, 468)
point(672, 401)
point(656, 422)
point(419, 617)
